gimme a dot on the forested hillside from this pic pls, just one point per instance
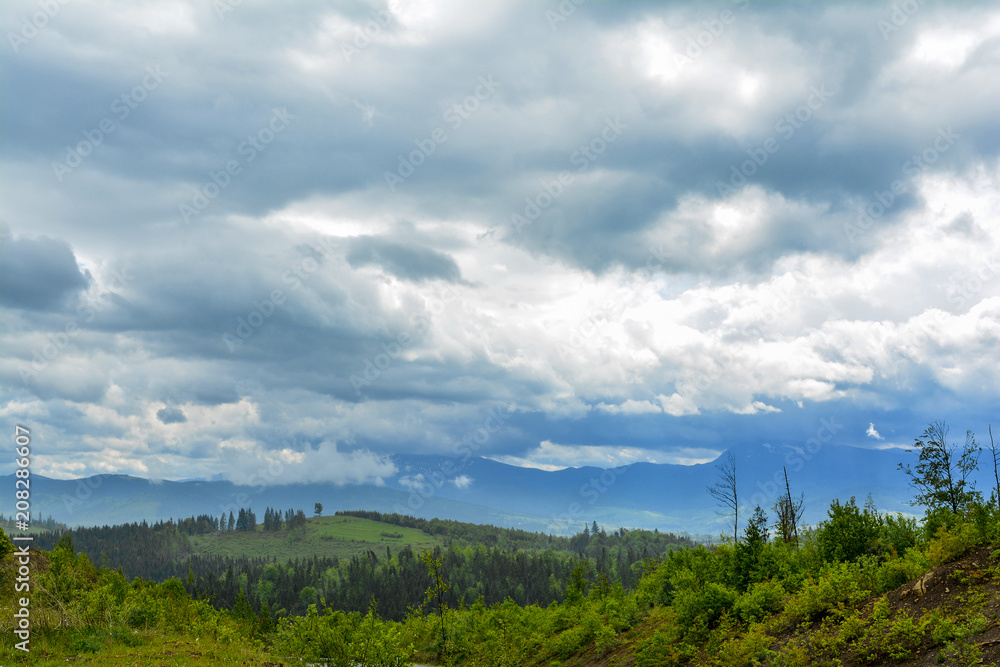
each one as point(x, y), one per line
point(483, 561)
point(862, 587)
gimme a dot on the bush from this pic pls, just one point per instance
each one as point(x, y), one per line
point(899, 533)
point(661, 650)
point(749, 650)
point(605, 639)
point(894, 573)
point(316, 638)
point(945, 547)
point(843, 586)
point(144, 611)
point(849, 533)
point(701, 609)
point(760, 601)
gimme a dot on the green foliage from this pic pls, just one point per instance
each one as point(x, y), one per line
point(660, 650)
point(842, 587)
point(701, 609)
point(897, 571)
point(945, 547)
point(942, 476)
point(318, 638)
point(849, 533)
point(760, 601)
point(6, 546)
point(720, 605)
point(898, 534)
point(748, 650)
point(577, 585)
point(751, 557)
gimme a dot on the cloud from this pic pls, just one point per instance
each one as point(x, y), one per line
point(552, 456)
point(872, 433)
point(407, 262)
point(674, 289)
point(462, 481)
point(249, 463)
point(37, 273)
point(630, 407)
point(171, 416)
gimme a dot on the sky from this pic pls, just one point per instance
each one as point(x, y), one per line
point(559, 234)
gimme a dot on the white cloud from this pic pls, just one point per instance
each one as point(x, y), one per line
point(462, 481)
point(551, 456)
point(641, 299)
point(872, 433)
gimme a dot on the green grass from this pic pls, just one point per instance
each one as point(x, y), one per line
point(330, 536)
point(113, 648)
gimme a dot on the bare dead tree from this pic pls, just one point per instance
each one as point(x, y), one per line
point(996, 464)
point(724, 491)
point(789, 514)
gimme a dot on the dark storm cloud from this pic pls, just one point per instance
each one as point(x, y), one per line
point(303, 296)
point(403, 261)
point(171, 416)
point(37, 273)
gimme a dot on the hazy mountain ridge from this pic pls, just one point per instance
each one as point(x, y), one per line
point(641, 495)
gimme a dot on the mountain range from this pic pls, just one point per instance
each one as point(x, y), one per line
point(667, 497)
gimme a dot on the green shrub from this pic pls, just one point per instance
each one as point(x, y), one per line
point(605, 639)
point(144, 611)
point(945, 547)
point(849, 533)
point(749, 650)
point(701, 609)
point(899, 533)
point(568, 642)
point(843, 586)
point(895, 572)
point(315, 638)
point(760, 601)
point(661, 650)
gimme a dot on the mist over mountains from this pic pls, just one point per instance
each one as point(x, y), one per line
point(667, 497)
